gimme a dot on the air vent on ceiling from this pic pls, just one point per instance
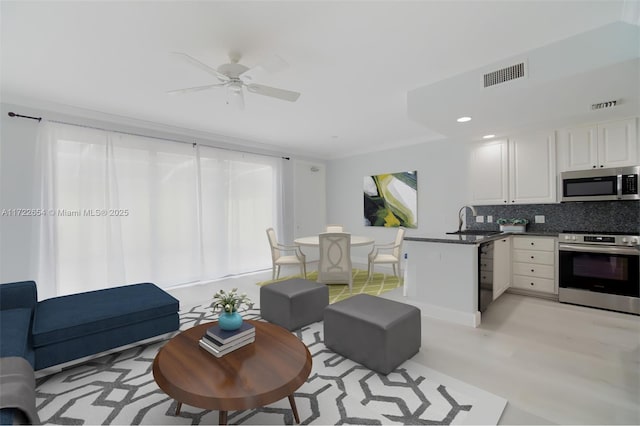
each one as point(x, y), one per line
point(504, 75)
point(604, 105)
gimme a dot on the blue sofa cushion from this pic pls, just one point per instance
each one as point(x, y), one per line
point(14, 332)
point(91, 344)
point(68, 317)
point(7, 415)
point(21, 294)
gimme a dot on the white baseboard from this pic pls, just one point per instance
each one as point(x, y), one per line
point(438, 312)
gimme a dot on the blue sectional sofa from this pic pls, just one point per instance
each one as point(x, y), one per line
point(62, 329)
point(17, 305)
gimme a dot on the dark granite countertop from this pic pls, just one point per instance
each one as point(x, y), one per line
point(474, 239)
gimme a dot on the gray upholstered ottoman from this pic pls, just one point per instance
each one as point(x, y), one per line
point(293, 303)
point(378, 333)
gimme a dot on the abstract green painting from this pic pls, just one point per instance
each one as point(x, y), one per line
point(391, 200)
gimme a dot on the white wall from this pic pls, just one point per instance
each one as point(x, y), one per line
point(442, 188)
point(17, 155)
point(310, 189)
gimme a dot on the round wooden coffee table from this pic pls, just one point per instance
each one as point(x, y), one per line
point(265, 371)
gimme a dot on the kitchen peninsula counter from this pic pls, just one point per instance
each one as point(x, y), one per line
point(441, 274)
point(473, 239)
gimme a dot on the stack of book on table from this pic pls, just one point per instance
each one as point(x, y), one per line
point(220, 342)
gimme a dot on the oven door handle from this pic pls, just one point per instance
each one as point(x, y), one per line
point(633, 251)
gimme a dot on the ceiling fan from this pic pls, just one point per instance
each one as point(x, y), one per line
point(235, 77)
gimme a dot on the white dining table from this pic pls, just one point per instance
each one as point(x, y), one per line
point(314, 241)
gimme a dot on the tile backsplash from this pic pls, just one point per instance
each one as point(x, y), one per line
point(595, 216)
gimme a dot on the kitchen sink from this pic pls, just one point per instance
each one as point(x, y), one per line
point(473, 232)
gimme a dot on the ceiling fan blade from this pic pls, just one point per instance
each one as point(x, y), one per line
point(285, 95)
point(202, 66)
point(271, 64)
point(195, 89)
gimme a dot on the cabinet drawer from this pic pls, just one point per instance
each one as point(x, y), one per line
point(532, 256)
point(534, 270)
point(534, 283)
point(534, 243)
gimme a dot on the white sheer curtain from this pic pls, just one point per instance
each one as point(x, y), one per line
point(175, 213)
point(241, 191)
point(157, 183)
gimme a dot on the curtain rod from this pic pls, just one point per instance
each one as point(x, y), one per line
point(13, 114)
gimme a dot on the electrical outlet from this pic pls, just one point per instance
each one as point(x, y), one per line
point(489, 219)
point(480, 219)
point(539, 218)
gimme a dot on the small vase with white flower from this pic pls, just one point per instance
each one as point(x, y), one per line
point(229, 303)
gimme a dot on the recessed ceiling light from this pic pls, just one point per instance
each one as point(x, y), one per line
point(463, 119)
point(488, 136)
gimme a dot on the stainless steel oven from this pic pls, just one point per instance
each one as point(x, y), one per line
point(600, 270)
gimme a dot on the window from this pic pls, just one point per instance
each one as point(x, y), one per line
point(132, 209)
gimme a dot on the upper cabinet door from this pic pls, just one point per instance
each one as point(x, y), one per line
point(611, 144)
point(578, 148)
point(532, 168)
point(489, 173)
point(617, 144)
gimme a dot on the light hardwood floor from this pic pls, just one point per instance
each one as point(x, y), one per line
point(554, 363)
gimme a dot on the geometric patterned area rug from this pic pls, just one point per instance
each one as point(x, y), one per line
point(119, 389)
point(378, 284)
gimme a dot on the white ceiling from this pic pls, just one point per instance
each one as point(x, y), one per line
point(353, 62)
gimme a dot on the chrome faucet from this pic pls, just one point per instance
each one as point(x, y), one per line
point(473, 212)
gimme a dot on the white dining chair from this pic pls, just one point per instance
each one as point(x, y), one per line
point(334, 228)
point(388, 253)
point(278, 259)
point(334, 266)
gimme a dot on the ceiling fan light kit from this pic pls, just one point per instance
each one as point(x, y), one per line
point(235, 77)
point(235, 97)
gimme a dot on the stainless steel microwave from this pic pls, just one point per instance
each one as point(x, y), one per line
point(612, 184)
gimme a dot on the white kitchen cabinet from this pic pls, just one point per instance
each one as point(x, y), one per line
point(532, 169)
point(490, 173)
point(610, 144)
point(534, 264)
point(501, 266)
point(533, 283)
point(526, 256)
point(525, 242)
point(617, 144)
point(521, 170)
